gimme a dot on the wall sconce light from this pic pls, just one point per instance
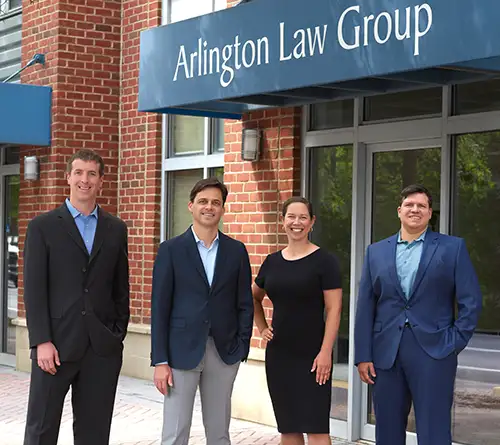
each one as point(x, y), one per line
point(250, 144)
point(31, 170)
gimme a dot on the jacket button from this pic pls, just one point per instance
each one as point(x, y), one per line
point(84, 270)
point(85, 290)
point(83, 312)
point(206, 322)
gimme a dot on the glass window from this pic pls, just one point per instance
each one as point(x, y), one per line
point(331, 197)
point(218, 135)
point(476, 206)
point(188, 135)
point(394, 170)
point(402, 105)
point(191, 139)
point(7, 5)
point(335, 114)
point(218, 172)
point(477, 97)
point(11, 155)
point(180, 184)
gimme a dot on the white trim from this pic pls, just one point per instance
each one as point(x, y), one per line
point(194, 162)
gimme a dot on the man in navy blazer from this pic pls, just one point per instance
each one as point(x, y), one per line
point(202, 318)
point(407, 336)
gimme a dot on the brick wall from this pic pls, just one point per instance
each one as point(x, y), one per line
point(81, 40)
point(140, 161)
point(257, 189)
point(92, 51)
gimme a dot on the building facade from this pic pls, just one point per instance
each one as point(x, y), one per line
point(349, 147)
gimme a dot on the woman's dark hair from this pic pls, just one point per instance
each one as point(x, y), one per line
point(301, 200)
point(415, 188)
point(208, 183)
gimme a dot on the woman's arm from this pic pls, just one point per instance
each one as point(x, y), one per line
point(259, 315)
point(323, 362)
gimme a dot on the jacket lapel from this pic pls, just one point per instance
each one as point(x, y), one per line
point(431, 243)
point(220, 260)
point(100, 233)
point(194, 255)
point(70, 226)
point(392, 245)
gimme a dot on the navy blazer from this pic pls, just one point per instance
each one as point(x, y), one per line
point(185, 307)
point(445, 275)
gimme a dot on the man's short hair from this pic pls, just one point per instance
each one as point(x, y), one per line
point(415, 188)
point(87, 156)
point(208, 183)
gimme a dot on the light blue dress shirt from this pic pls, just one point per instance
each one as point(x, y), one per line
point(87, 225)
point(407, 260)
point(208, 255)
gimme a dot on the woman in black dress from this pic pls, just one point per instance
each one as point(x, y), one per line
point(304, 284)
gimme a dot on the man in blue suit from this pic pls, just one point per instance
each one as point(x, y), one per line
point(202, 318)
point(407, 337)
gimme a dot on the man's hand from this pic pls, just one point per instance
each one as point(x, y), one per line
point(47, 357)
point(163, 378)
point(366, 372)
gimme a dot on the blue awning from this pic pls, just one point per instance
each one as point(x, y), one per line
point(25, 114)
point(280, 53)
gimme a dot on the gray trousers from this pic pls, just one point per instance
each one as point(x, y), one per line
point(216, 380)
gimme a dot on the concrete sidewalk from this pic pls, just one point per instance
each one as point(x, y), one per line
point(137, 417)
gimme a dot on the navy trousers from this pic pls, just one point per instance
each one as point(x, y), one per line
point(428, 383)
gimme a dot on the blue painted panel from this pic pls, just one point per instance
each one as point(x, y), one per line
point(354, 40)
point(25, 114)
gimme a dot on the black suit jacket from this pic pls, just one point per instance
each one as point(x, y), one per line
point(73, 298)
point(185, 308)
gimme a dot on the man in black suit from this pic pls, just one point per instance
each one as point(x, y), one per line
point(202, 317)
point(76, 293)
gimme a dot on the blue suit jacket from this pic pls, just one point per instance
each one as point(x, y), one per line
point(445, 275)
point(185, 306)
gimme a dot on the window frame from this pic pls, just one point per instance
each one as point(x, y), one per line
point(210, 158)
point(5, 7)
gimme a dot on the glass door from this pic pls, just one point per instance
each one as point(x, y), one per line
point(10, 254)
point(390, 168)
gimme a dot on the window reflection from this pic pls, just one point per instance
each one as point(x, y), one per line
point(180, 184)
point(476, 413)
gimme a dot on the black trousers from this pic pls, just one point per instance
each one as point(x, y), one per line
point(93, 381)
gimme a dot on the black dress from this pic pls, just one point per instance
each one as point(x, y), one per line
point(296, 290)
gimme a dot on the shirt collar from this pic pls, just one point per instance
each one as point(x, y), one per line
point(75, 213)
point(420, 238)
point(198, 240)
